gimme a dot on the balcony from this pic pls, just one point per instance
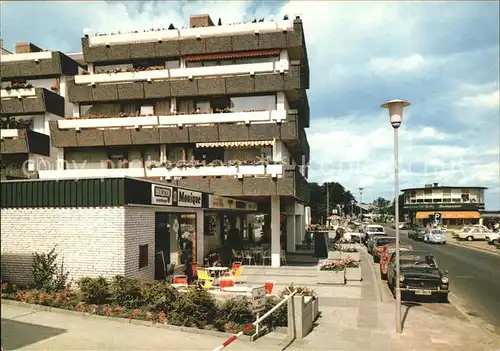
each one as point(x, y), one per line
point(172, 120)
point(183, 73)
point(287, 34)
point(227, 84)
point(19, 141)
point(33, 65)
point(29, 101)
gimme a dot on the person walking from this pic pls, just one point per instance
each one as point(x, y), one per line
point(187, 255)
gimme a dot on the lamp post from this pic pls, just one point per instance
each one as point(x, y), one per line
point(361, 203)
point(396, 118)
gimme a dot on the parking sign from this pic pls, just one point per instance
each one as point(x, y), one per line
point(437, 217)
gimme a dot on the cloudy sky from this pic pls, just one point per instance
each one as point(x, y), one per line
point(442, 56)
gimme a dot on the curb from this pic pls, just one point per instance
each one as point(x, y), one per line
point(191, 330)
point(457, 243)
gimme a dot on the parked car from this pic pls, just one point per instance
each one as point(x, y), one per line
point(417, 234)
point(493, 238)
point(470, 233)
point(419, 275)
point(434, 236)
point(385, 256)
point(370, 240)
point(378, 244)
point(373, 229)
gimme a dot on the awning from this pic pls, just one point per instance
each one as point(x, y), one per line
point(450, 215)
point(237, 144)
point(231, 55)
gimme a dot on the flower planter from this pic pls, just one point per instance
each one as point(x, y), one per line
point(350, 255)
point(353, 274)
point(334, 255)
point(107, 122)
point(331, 277)
point(315, 309)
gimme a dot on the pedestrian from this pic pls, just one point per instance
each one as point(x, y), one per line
point(187, 255)
point(308, 239)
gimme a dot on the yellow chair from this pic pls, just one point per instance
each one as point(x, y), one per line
point(237, 274)
point(204, 278)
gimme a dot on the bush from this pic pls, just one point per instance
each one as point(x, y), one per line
point(47, 275)
point(278, 318)
point(126, 292)
point(235, 311)
point(94, 290)
point(158, 296)
point(196, 307)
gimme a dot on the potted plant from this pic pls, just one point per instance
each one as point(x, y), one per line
point(352, 270)
point(332, 272)
point(350, 252)
point(334, 252)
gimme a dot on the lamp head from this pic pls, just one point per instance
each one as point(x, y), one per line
point(396, 111)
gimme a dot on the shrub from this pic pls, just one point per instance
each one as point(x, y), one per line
point(47, 274)
point(158, 296)
point(278, 318)
point(94, 290)
point(236, 311)
point(196, 307)
point(126, 292)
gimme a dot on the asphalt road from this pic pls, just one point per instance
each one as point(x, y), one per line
point(474, 277)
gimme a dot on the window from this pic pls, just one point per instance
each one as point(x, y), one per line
point(203, 106)
point(413, 193)
point(143, 256)
point(147, 110)
point(172, 64)
point(427, 192)
point(253, 103)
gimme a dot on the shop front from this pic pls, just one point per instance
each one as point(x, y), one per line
point(105, 227)
point(447, 214)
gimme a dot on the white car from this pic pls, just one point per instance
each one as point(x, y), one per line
point(372, 229)
point(474, 232)
point(493, 238)
point(434, 236)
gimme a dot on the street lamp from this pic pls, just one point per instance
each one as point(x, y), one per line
point(361, 203)
point(396, 118)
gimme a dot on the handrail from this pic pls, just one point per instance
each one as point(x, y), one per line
point(250, 326)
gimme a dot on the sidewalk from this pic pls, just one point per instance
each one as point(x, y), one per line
point(361, 321)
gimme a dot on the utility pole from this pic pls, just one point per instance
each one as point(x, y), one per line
point(361, 202)
point(327, 201)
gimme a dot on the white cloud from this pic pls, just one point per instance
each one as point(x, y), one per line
point(398, 65)
point(484, 100)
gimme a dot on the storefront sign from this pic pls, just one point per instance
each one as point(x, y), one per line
point(161, 195)
point(230, 204)
point(441, 207)
point(188, 198)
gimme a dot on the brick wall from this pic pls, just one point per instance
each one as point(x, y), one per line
point(139, 230)
point(90, 240)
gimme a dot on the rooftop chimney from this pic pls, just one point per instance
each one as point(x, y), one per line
point(23, 48)
point(436, 185)
point(196, 21)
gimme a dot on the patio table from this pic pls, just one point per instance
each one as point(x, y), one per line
point(238, 289)
point(217, 271)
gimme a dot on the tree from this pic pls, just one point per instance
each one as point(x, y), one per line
point(338, 197)
point(382, 205)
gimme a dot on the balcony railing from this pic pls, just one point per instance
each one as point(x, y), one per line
point(275, 171)
point(171, 120)
point(17, 93)
point(29, 56)
point(175, 34)
point(178, 73)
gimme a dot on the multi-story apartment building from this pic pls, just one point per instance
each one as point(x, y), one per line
point(217, 108)
point(455, 204)
point(33, 92)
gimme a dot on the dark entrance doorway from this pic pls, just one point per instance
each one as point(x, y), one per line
point(162, 244)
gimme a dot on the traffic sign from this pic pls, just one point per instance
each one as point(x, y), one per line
point(437, 216)
point(259, 298)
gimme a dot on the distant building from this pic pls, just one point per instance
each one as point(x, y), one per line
point(455, 205)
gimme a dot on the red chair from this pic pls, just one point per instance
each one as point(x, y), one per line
point(180, 279)
point(225, 283)
point(234, 269)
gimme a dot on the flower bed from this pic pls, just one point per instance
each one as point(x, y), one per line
point(156, 302)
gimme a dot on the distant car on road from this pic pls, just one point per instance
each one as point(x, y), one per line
point(493, 238)
point(373, 229)
point(417, 234)
point(434, 236)
point(470, 233)
point(386, 254)
point(419, 275)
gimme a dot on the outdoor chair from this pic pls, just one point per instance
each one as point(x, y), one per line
point(248, 258)
point(266, 256)
point(179, 281)
point(204, 278)
point(225, 282)
point(235, 272)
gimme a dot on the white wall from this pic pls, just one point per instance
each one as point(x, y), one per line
point(90, 240)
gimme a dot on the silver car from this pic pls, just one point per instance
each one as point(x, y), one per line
point(434, 236)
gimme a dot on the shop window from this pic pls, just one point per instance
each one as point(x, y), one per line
point(143, 256)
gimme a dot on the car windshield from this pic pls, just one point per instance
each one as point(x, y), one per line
point(393, 249)
point(385, 241)
point(376, 229)
point(436, 231)
point(415, 260)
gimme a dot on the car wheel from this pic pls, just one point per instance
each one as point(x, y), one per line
point(470, 238)
point(494, 242)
